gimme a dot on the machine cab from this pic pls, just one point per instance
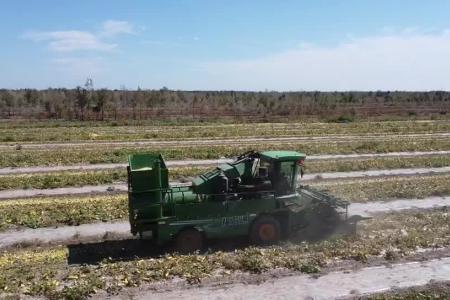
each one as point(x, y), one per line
point(282, 168)
point(253, 173)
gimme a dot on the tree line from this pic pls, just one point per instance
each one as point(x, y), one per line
point(86, 103)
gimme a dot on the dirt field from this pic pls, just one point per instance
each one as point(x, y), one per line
point(64, 229)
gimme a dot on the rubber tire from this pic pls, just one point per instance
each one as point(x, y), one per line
point(272, 227)
point(188, 241)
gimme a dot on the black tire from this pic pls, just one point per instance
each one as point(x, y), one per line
point(265, 230)
point(188, 241)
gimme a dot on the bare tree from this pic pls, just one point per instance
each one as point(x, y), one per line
point(81, 100)
point(102, 99)
point(7, 101)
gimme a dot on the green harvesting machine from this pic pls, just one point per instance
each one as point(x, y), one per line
point(258, 195)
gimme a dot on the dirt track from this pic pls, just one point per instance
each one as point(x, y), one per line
point(369, 209)
point(219, 141)
point(121, 229)
point(121, 187)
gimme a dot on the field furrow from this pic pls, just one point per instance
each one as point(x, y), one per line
point(108, 154)
point(235, 141)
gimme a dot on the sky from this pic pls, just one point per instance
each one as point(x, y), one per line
point(253, 45)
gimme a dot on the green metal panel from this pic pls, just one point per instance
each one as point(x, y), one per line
point(283, 155)
point(148, 179)
point(230, 170)
point(217, 219)
point(143, 173)
point(206, 183)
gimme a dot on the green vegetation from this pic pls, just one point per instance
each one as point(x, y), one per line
point(43, 212)
point(79, 178)
point(108, 154)
point(45, 272)
point(72, 132)
point(60, 179)
point(387, 188)
point(379, 163)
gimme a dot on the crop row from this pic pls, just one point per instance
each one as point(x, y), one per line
point(387, 188)
point(80, 178)
point(24, 123)
point(46, 272)
point(131, 133)
point(104, 154)
point(43, 212)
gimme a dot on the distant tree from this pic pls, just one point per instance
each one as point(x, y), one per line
point(81, 96)
point(7, 101)
point(102, 99)
point(31, 97)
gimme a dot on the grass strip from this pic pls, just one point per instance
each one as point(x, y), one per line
point(104, 154)
point(45, 272)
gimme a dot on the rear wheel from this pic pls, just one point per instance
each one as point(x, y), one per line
point(265, 230)
point(189, 241)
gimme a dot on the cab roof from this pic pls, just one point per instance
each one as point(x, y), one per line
point(283, 155)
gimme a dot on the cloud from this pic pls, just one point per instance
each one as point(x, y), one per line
point(76, 40)
point(112, 28)
point(78, 68)
point(408, 60)
point(66, 41)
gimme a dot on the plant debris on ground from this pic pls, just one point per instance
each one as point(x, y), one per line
point(45, 272)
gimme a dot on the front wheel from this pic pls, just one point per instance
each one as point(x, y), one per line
point(265, 230)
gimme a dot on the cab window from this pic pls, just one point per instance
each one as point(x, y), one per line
point(287, 169)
